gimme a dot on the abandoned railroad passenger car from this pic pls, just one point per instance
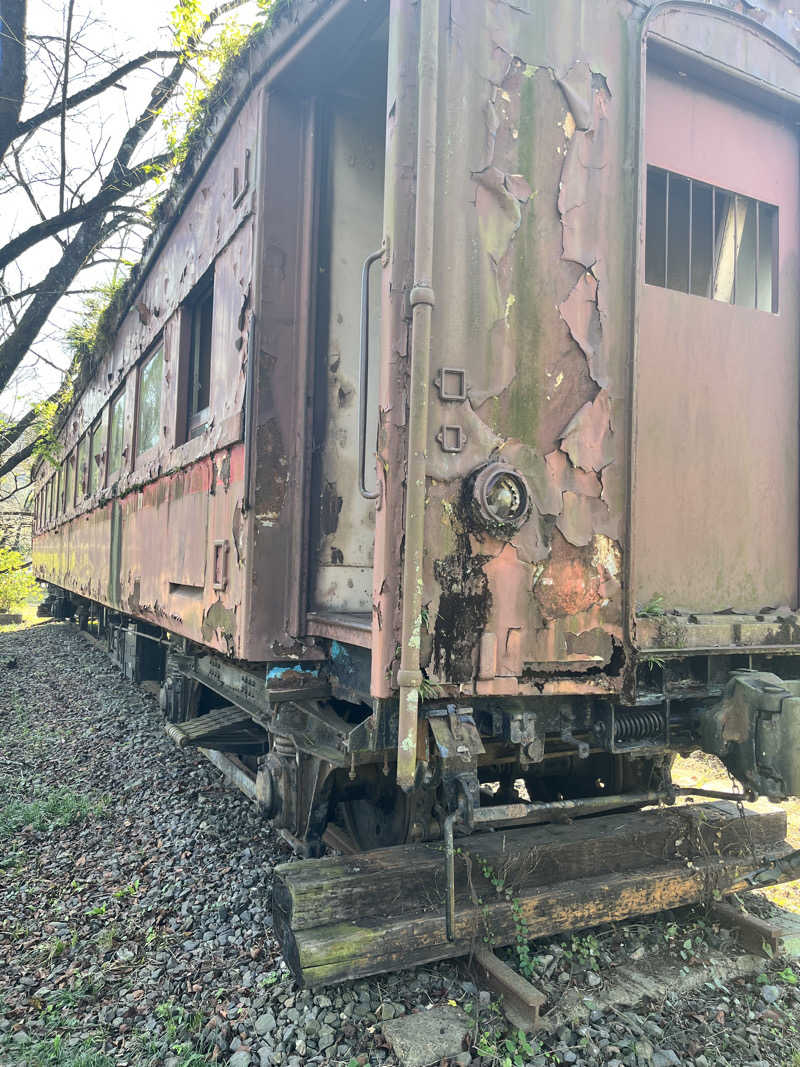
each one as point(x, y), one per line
point(448, 436)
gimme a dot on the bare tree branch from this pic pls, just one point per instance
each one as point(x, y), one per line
point(10, 434)
point(124, 182)
point(50, 113)
point(64, 88)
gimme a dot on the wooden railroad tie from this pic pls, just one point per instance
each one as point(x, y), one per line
point(344, 917)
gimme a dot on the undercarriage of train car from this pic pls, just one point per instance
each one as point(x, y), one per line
point(309, 745)
point(318, 758)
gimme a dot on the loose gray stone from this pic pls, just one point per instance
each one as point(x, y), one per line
point(265, 1023)
point(644, 1052)
point(326, 1038)
point(428, 1036)
point(770, 993)
point(665, 1057)
point(239, 1059)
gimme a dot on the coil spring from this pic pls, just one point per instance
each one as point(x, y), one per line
point(639, 724)
point(283, 746)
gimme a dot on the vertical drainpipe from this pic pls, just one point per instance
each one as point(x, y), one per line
point(409, 677)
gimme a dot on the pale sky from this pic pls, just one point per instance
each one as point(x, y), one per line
point(113, 32)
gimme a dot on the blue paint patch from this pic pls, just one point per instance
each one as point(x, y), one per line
point(278, 672)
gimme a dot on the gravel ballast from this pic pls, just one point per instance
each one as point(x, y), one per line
point(135, 922)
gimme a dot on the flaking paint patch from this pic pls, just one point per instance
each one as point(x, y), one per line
point(583, 516)
point(581, 312)
point(220, 622)
point(588, 439)
point(272, 471)
point(583, 188)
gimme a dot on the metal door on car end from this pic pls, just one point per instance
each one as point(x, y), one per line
point(715, 450)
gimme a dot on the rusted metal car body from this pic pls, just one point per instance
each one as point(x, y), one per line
point(497, 475)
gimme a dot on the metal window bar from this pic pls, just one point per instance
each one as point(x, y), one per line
point(691, 241)
point(666, 230)
point(715, 249)
point(736, 244)
point(757, 206)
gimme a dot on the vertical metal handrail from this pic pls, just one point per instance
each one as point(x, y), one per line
point(363, 377)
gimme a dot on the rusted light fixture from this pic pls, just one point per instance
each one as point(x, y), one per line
point(500, 497)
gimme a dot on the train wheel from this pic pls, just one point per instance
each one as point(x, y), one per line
point(378, 819)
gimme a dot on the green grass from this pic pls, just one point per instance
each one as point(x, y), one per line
point(55, 1053)
point(29, 616)
point(59, 808)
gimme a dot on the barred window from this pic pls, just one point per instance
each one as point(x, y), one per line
point(710, 242)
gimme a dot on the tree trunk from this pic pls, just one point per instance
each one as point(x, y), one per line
point(12, 68)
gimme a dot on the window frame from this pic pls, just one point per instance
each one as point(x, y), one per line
point(71, 460)
point(81, 478)
point(155, 349)
point(109, 475)
point(196, 419)
point(93, 480)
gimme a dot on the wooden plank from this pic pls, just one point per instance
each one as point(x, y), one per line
point(342, 951)
point(409, 879)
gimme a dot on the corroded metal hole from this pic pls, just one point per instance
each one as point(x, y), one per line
point(500, 496)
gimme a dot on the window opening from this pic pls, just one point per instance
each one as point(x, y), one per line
point(83, 463)
point(95, 452)
point(116, 429)
point(202, 314)
point(69, 482)
point(149, 406)
point(707, 241)
point(59, 496)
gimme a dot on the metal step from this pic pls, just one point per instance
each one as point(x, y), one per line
point(224, 730)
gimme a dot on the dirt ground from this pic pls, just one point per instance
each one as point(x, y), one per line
point(708, 772)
